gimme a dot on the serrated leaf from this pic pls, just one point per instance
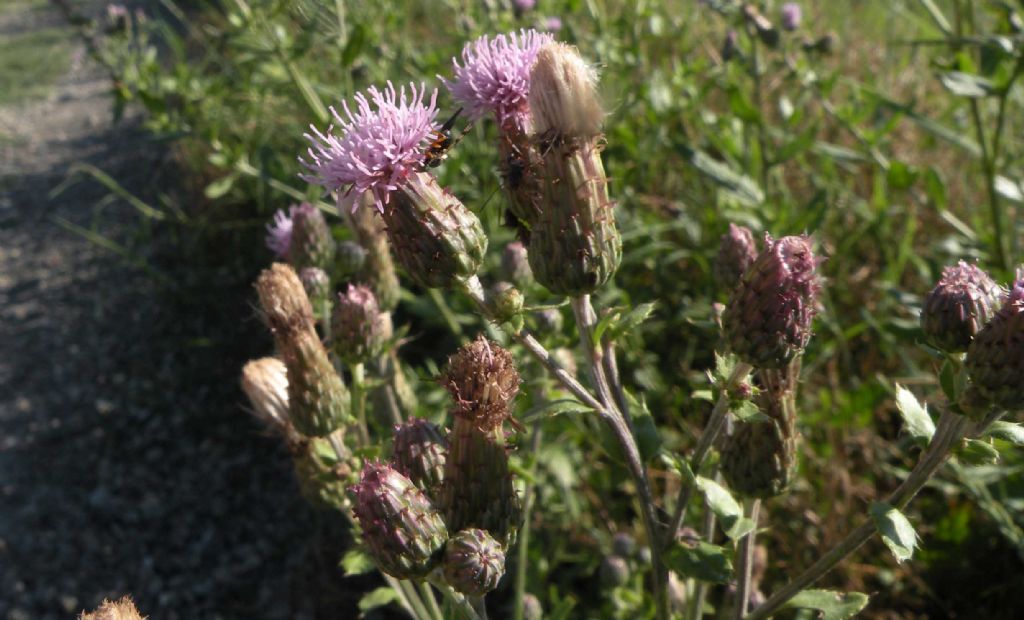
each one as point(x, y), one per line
point(832, 605)
point(724, 366)
point(915, 415)
point(967, 85)
point(615, 324)
point(977, 452)
point(897, 532)
point(377, 598)
point(357, 562)
point(728, 510)
point(705, 561)
point(1007, 431)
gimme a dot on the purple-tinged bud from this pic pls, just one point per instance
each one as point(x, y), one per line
point(318, 399)
point(736, 252)
point(318, 288)
point(768, 318)
point(995, 359)
point(435, 237)
point(265, 382)
point(958, 307)
point(759, 459)
point(623, 545)
point(311, 243)
point(515, 265)
point(482, 379)
point(473, 562)
point(378, 270)
point(532, 609)
point(790, 16)
point(359, 330)
point(123, 609)
point(351, 258)
point(401, 528)
point(419, 452)
point(613, 572)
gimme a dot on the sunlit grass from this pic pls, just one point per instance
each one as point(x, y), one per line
point(30, 63)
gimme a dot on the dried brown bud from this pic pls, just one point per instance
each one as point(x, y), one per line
point(265, 382)
point(482, 380)
point(563, 93)
point(123, 609)
point(284, 301)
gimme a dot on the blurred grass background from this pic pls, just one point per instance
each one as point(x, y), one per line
point(862, 144)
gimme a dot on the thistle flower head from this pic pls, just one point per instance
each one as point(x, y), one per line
point(358, 328)
point(265, 382)
point(790, 14)
point(958, 307)
point(474, 562)
point(482, 380)
point(123, 609)
point(995, 359)
point(379, 145)
point(419, 451)
point(279, 232)
point(563, 93)
point(768, 318)
point(495, 75)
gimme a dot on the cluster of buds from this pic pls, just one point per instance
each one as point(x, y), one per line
point(768, 318)
point(318, 398)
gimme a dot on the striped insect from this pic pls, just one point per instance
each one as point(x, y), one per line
point(443, 141)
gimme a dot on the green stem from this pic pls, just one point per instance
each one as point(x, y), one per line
point(523, 549)
point(988, 167)
point(451, 596)
point(696, 608)
point(746, 555)
point(358, 393)
point(428, 596)
point(948, 433)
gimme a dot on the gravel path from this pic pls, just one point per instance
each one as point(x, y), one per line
point(126, 462)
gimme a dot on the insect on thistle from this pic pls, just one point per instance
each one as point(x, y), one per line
point(443, 141)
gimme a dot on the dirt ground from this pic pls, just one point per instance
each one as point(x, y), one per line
point(127, 463)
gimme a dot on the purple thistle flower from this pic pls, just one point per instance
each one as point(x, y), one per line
point(553, 23)
point(524, 5)
point(382, 143)
point(495, 75)
point(279, 231)
point(791, 15)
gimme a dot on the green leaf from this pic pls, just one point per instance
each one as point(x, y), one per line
point(648, 439)
point(832, 605)
point(377, 598)
point(616, 325)
point(967, 85)
point(1007, 431)
point(977, 452)
point(555, 407)
point(724, 366)
point(897, 532)
point(705, 561)
point(220, 187)
point(681, 467)
point(915, 416)
point(726, 508)
point(741, 187)
point(356, 41)
point(357, 562)
point(746, 411)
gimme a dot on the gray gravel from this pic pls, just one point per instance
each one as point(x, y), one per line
point(126, 462)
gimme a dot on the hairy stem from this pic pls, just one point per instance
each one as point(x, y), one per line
point(746, 555)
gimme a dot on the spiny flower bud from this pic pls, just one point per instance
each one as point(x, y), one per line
point(507, 303)
point(317, 397)
point(759, 460)
point(359, 330)
point(265, 382)
point(419, 453)
point(515, 265)
point(482, 379)
point(317, 286)
point(123, 609)
point(995, 359)
point(768, 319)
point(401, 528)
point(736, 252)
point(378, 270)
point(958, 307)
point(351, 257)
point(435, 237)
point(575, 247)
point(473, 562)
point(311, 244)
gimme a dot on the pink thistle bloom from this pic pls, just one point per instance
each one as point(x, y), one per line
point(553, 24)
point(791, 16)
point(279, 231)
point(524, 5)
point(381, 144)
point(495, 75)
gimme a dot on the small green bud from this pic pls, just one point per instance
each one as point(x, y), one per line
point(311, 244)
point(759, 459)
point(378, 271)
point(623, 545)
point(351, 258)
point(507, 303)
point(473, 562)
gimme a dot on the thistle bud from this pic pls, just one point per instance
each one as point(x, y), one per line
point(507, 303)
point(482, 379)
point(473, 562)
point(265, 382)
point(359, 330)
point(317, 397)
point(419, 453)
point(532, 609)
point(515, 265)
point(323, 475)
point(311, 244)
point(623, 545)
point(549, 320)
point(575, 247)
point(736, 252)
point(995, 359)
point(123, 609)
point(759, 460)
point(317, 286)
point(378, 270)
point(790, 16)
point(614, 571)
point(958, 307)
point(351, 258)
point(768, 318)
point(401, 528)
point(436, 238)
